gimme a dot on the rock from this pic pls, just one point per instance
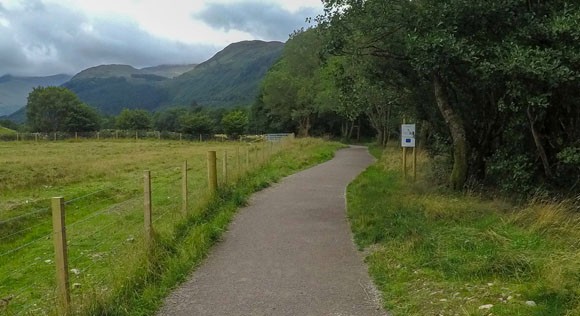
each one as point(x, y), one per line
point(531, 303)
point(75, 271)
point(486, 306)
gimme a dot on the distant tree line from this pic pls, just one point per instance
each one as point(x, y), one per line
point(493, 84)
point(57, 109)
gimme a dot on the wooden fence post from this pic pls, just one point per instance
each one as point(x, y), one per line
point(247, 159)
point(36, 137)
point(238, 164)
point(61, 258)
point(225, 167)
point(212, 171)
point(98, 135)
point(184, 188)
point(147, 207)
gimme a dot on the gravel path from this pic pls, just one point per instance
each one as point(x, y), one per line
point(290, 252)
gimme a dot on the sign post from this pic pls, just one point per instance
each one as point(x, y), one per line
point(408, 141)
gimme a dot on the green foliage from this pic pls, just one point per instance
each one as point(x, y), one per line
point(506, 73)
point(196, 123)
point(290, 88)
point(55, 109)
point(168, 120)
point(512, 173)
point(136, 120)
point(235, 123)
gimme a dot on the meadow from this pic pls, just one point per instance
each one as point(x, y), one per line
point(111, 271)
point(432, 251)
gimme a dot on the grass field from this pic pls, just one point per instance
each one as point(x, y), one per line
point(102, 183)
point(6, 131)
point(435, 252)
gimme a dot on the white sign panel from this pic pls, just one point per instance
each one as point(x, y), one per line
point(408, 135)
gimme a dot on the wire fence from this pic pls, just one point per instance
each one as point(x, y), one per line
point(111, 134)
point(105, 233)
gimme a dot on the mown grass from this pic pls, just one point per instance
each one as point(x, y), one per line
point(111, 273)
point(435, 252)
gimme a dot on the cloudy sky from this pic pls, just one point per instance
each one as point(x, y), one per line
point(45, 37)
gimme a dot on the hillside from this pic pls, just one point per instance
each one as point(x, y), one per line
point(15, 90)
point(168, 71)
point(231, 77)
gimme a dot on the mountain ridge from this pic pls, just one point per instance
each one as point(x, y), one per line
point(229, 78)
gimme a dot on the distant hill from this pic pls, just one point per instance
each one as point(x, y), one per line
point(14, 90)
point(229, 78)
point(6, 131)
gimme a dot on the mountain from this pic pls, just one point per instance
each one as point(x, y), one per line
point(231, 77)
point(169, 71)
point(14, 90)
point(110, 88)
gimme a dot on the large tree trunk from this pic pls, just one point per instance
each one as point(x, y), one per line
point(457, 129)
point(539, 145)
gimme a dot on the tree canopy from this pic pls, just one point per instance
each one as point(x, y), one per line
point(53, 109)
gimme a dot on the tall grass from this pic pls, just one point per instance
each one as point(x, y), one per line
point(111, 273)
point(435, 252)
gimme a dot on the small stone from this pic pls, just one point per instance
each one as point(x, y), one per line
point(486, 306)
point(509, 298)
point(531, 303)
point(75, 271)
point(489, 284)
point(48, 261)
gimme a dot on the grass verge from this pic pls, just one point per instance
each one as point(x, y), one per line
point(434, 252)
point(175, 255)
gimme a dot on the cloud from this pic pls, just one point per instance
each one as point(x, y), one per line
point(267, 21)
point(41, 39)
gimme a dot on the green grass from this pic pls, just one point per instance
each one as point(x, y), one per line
point(435, 252)
point(6, 131)
point(113, 274)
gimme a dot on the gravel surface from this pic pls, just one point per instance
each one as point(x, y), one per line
point(290, 252)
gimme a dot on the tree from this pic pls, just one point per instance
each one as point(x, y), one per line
point(235, 122)
point(500, 73)
point(168, 120)
point(290, 88)
point(137, 120)
point(53, 109)
point(196, 123)
point(82, 118)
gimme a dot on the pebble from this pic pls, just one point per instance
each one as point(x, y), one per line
point(486, 306)
point(531, 303)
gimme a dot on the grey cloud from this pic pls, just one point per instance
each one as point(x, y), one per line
point(265, 21)
point(47, 39)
